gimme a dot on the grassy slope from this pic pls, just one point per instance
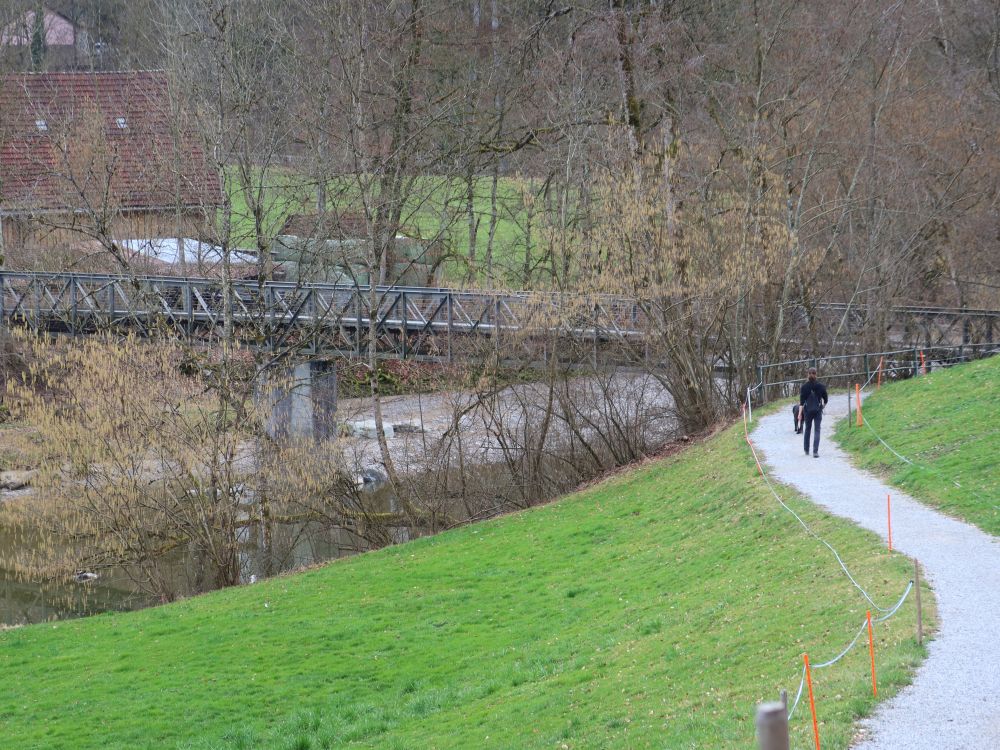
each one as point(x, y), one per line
point(652, 610)
point(947, 421)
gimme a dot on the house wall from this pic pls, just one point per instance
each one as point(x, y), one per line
point(66, 47)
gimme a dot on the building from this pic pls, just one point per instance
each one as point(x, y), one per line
point(93, 157)
point(55, 44)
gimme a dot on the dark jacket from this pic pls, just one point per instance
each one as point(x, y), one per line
point(813, 396)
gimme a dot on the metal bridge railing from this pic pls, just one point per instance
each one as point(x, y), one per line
point(779, 379)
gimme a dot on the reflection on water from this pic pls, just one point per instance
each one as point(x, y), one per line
point(292, 546)
point(23, 602)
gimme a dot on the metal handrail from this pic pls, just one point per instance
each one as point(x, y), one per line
point(911, 366)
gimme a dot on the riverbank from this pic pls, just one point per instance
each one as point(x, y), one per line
point(657, 606)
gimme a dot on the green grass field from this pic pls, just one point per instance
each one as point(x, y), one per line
point(436, 209)
point(654, 609)
point(946, 422)
point(287, 194)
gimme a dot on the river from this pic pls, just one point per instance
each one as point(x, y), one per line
point(297, 545)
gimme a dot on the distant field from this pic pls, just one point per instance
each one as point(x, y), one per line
point(286, 195)
point(948, 423)
point(652, 610)
point(436, 209)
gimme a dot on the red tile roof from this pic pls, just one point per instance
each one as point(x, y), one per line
point(77, 141)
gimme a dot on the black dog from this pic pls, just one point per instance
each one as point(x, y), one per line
point(795, 417)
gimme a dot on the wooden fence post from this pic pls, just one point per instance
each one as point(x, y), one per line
point(772, 726)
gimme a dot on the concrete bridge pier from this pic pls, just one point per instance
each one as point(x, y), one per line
point(300, 401)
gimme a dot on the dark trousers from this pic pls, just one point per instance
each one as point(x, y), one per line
point(812, 418)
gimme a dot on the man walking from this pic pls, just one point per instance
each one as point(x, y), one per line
point(812, 399)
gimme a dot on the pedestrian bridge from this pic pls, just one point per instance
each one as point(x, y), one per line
point(406, 322)
point(411, 322)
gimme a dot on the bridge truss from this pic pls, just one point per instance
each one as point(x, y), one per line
point(417, 322)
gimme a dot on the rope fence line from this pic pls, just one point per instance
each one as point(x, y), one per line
point(917, 465)
point(804, 525)
point(887, 612)
point(852, 644)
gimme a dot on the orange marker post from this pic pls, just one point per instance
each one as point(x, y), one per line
point(812, 702)
point(871, 650)
point(878, 383)
point(888, 515)
point(857, 398)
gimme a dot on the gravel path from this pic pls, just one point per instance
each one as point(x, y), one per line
point(954, 701)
